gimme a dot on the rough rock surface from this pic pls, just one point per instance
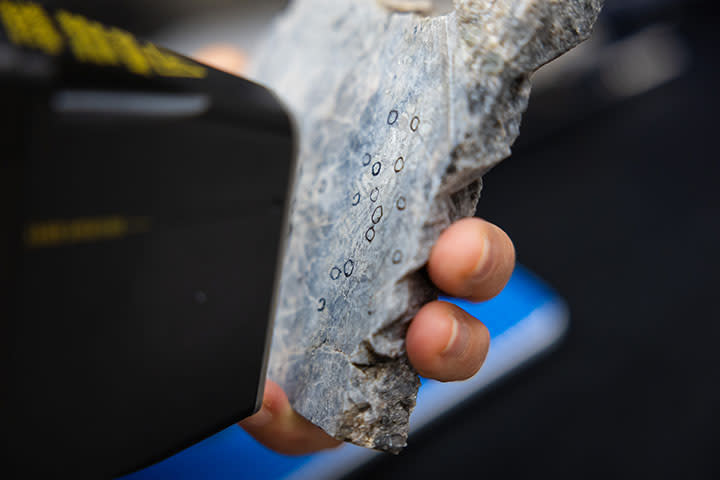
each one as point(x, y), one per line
point(399, 114)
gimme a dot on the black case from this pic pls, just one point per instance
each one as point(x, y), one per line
point(142, 221)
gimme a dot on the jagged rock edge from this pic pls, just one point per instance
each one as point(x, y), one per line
point(517, 93)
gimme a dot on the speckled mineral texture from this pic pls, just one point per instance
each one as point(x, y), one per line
point(399, 114)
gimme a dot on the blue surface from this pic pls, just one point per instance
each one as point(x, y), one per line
point(232, 454)
point(524, 293)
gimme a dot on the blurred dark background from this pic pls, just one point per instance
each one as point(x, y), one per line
point(613, 197)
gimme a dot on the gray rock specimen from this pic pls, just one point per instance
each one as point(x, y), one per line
point(400, 114)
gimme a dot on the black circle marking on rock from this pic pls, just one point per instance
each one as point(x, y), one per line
point(377, 215)
point(323, 303)
point(377, 168)
point(349, 268)
point(370, 234)
point(356, 199)
point(399, 164)
point(397, 257)
point(367, 159)
point(335, 273)
point(414, 124)
point(393, 117)
point(374, 195)
point(401, 204)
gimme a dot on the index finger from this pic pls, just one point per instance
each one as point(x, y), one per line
point(473, 259)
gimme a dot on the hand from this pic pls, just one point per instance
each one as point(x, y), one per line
point(472, 259)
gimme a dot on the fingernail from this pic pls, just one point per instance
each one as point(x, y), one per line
point(484, 263)
point(459, 338)
point(259, 420)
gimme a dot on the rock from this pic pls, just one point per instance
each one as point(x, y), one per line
point(399, 117)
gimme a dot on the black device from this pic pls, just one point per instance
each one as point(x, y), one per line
point(143, 198)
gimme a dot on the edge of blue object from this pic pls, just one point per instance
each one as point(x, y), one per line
point(525, 320)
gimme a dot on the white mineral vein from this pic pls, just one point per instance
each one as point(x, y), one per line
point(399, 117)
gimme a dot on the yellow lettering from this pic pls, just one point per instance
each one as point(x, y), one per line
point(28, 25)
point(167, 64)
point(93, 43)
point(88, 40)
point(129, 52)
point(56, 233)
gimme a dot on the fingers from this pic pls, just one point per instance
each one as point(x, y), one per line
point(447, 344)
point(473, 259)
point(280, 428)
point(223, 57)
